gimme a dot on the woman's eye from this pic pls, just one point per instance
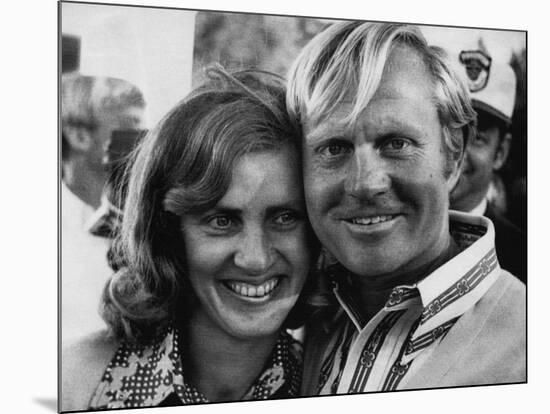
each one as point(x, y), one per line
point(286, 219)
point(220, 222)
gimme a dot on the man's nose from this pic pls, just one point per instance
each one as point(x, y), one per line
point(367, 175)
point(254, 251)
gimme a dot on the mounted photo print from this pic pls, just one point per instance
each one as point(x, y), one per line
point(265, 207)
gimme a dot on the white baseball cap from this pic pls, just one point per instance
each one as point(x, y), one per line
point(492, 84)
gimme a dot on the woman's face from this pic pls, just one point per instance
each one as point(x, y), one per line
point(248, 256)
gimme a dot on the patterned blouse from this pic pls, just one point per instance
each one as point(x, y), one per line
point(383, 353)
point(153, 375)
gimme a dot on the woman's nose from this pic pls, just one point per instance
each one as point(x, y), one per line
point(254, 252)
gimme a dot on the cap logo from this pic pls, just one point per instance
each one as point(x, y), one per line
point(478, 68)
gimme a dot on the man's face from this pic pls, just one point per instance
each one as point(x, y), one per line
point(129, 117)
point(486, 153)
point(376, 192)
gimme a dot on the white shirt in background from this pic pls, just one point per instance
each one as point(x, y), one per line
point(84, 268)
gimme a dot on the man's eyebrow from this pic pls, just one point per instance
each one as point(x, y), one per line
point(320, 130)
point(397, 125)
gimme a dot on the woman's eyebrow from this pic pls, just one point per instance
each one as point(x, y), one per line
point(294, 205)
point(227, 210)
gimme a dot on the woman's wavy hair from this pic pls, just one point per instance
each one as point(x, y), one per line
point(182, 166)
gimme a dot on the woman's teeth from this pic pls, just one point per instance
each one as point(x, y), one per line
point(253, 291)
point(371, 220)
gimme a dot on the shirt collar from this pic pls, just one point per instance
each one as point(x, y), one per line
point(155, 372)
point(457, 285)
point(447, 292)
point(475, 235)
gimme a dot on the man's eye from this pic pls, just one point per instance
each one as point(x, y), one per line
point(397, 144)
point(335, 149)
point(480, 136)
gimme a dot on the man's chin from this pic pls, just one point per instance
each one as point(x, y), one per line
point(371, 267)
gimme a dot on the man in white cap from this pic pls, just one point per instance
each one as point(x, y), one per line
point(492, 88)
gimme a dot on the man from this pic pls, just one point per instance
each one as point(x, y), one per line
point(418, 299)
point(492, 87)
point(91, 109)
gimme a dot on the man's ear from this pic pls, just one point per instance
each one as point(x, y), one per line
point(79, 138)
point(502, 152)
point(455, 159)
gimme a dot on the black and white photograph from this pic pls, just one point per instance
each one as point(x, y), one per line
point(270, 208)
point(261, 207)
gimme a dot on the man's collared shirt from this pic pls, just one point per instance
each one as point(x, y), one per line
point(385, 352)
point(150, 376)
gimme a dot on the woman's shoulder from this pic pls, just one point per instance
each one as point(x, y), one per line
point(83, 363)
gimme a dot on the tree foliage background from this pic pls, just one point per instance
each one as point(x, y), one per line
point(258, 41)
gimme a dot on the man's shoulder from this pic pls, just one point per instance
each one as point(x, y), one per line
point(487, 344)
point(496, 327)
point(83, 363)
point(507, 297)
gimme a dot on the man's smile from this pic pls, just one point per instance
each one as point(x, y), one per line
point(365, 221)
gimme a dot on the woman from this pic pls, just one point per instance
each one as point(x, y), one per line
point(214, 251)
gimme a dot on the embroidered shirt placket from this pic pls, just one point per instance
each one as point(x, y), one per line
point(379, 342)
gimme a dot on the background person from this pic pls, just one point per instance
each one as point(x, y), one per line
point(216, 251)
point(417, 298)
point(492, 87)
point(91, 109)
